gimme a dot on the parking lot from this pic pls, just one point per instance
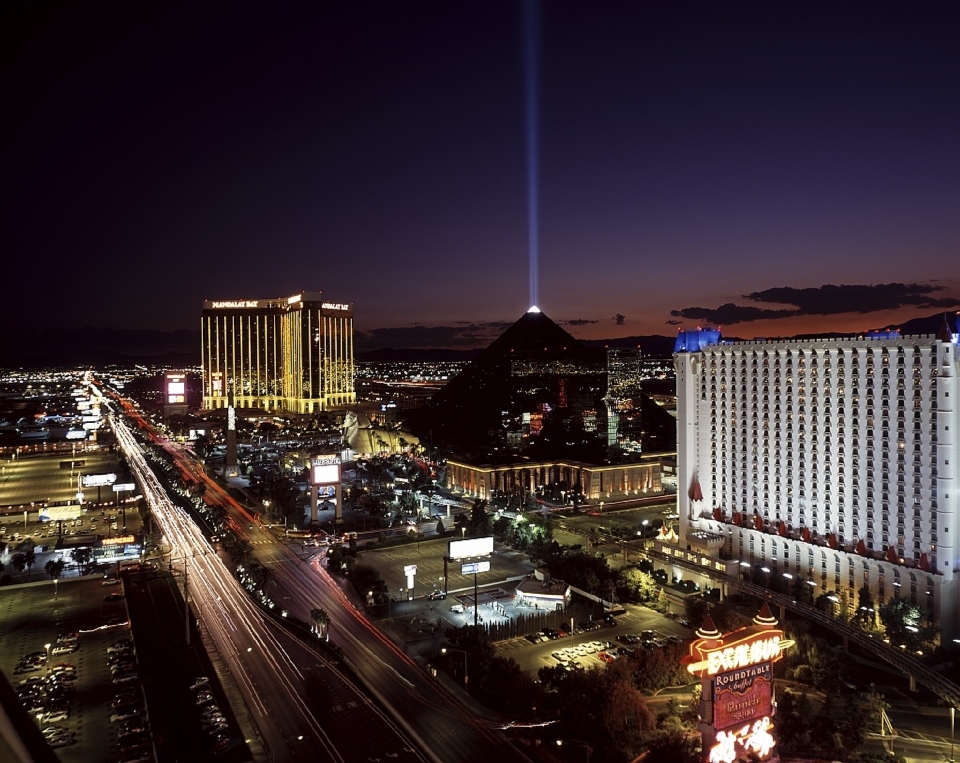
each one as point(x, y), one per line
point(580, 645)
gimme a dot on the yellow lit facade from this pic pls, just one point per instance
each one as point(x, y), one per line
point(291, 354)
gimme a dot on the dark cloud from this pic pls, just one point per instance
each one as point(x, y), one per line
point(578, 322)
point(463, 336)
point(619, 319)
point(830, 299)
point(730, 314)
point(824, 300)
point(674, 322)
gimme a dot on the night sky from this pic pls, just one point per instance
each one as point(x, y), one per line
point(699, 163)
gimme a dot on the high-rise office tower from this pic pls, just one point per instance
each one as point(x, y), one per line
point(291, 354)
point(834, 461)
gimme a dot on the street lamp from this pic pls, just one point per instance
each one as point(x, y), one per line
point(47, 647)
point(584, 745)
point(466, 676)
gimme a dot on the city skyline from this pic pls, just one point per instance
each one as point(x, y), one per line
point(770, 170)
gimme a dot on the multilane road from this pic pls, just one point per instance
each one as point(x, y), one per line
point(303, 707)
point(442, 726)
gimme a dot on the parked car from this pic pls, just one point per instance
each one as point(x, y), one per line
point(115, 596)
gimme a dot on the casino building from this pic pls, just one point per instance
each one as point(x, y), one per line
point(290, 354)
point(833, 461)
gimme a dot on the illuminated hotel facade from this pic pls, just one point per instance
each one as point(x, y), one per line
point(831, 460)
point(291, 354)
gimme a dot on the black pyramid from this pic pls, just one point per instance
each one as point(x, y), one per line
point(465, 415)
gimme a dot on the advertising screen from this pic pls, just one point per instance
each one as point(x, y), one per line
point(97, 480)
point(176, 388)
point(472, 568)
point(325, 474)
point(470, 547)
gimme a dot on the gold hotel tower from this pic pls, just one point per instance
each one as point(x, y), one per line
point(290, 354)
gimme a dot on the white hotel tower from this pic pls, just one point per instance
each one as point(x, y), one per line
point(832, 460)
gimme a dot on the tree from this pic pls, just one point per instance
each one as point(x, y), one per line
point(242, 551)
point(627, 717)
point(81, 557)
point(673, 747)
point(30, 558)
point(479, 521)
point(863, 615)
point(54, 568)
point(19, 562)
point(321, 621)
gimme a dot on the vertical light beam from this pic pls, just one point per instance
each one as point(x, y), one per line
point(531, 19)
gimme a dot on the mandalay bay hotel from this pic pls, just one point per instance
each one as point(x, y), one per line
point(289, 354)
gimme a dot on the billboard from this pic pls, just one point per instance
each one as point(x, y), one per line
point(122, 486)
point(472, 568)
point(735, 671)
point(325, 470)
point(176, 388)
point(470, 547)
point(59, 513)
point(97, 480)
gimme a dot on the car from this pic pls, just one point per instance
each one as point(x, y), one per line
point(126, 700)
point(133, 734)
point(58, 714)
point(53, 731)
point(437, 595)
point(124, 678)
point(62, 741)
point(110, 581)
point(125, 713)
point(684, 622)
point(64, 649)
point(70, 636)
point(121, 645)
point(606, 657)
point(115, 596)
point(610, 620)
point(199, 682)
point(204, 697)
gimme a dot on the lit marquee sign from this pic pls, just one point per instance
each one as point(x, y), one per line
point(235, 304)
point(736, 673)
point(325, 470)
point(755, 738)
point(176, 388)
point(334, 306)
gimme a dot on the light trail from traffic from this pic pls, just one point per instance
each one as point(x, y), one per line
point(270, 679)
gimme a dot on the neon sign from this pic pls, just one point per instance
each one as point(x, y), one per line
point(240, 303)
point(743, 655)
point(334, 306)
point(752, 649)
point(754, 738)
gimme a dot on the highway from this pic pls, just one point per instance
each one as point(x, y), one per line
point(303, 706)
point(435, 718)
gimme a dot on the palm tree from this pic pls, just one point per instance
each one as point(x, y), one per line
point(54, 568)
point(242, 550)
point(320, 620)
point(19, 562)
point(30, 559)
point(81, 557)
